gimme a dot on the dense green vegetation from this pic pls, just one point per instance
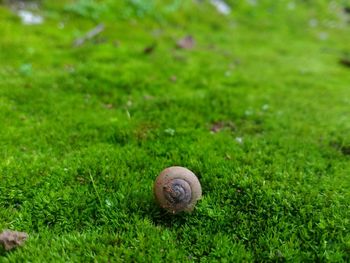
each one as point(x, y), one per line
point(258, 108)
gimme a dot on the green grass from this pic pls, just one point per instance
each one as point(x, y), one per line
point(86, 130)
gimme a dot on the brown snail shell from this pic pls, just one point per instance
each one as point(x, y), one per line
point(177, 189)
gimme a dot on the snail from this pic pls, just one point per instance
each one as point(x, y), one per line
point(177, 189)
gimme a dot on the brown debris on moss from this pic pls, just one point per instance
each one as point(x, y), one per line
point(186, 42)
point(12, 239)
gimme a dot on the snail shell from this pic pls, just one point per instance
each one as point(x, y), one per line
point(177, 189)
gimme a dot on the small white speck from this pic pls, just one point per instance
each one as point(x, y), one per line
point(248, 112)
point(323, 36)
point(221, 6)
point(239, 140)
point(60, 25)
point(291, 6)
point(313, 22)
point(252, 2)
point(26, 69)
point(28, 18)
point(170, 131)
point(108, 203)
point(265, 107)
point(331, 24)
point(333, 5)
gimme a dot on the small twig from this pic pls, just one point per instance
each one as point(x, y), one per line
point(95, 188)
point(89, 35)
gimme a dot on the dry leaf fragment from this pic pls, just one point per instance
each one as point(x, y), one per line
point(173, 78)
point(347, 9)
point(89, 35)
point(344, 149)
point(345, 62)
point(12, 239)
point(217, 126)
point(221, 125)
point(149, 49)
point(108, 106)
point(186, 42)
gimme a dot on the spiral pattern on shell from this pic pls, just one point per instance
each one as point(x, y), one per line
point(177, 189)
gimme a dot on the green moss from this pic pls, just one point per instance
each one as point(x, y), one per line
point(86, 130)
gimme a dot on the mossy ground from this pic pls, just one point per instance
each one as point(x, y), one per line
point(85, 131)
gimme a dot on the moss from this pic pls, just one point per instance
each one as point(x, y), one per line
point(86, 130)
